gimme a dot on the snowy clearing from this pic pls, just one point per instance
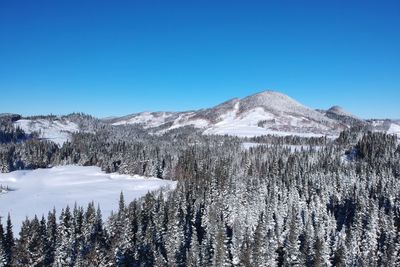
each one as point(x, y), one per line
point(58, 131)
point(38, 191)
point(394, 129)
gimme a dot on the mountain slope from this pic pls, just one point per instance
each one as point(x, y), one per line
point(268, 112)
point(56, 130)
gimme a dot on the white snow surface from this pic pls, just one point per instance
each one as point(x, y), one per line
point(149, 119)
point(246, 124)
point(386, 126)
point(59, 131)
point(185, 120)
point(38, 191)
point(394, 129)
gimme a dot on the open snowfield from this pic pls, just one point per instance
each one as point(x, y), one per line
point(38, 191)
point(394, 129)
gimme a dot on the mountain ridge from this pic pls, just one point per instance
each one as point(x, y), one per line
point(261, 113)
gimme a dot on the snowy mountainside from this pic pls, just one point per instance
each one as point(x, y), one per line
point(339, 114)
point(148, 119)
point(268, 112)
point(388, 126)
point(337, 110)
point(264, 113)
point(394, 129)
point(57, 130)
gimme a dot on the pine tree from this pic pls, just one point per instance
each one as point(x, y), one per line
point(222, 246)
point(3, 258)
point(308, 242)
point(51, 236)
point(23, 256)
point(340, 257)
point(9, 242)
point(64, 255)
point(194, 255)
point(292, 242)
point(369, 244)
point(98, 257)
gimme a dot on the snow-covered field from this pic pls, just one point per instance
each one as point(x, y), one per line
point(38, 191)
point(394, 129)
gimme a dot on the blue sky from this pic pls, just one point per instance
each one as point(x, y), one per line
point(118, 57)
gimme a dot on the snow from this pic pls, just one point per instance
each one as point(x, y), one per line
point(340, 111)
point(252, 131)
point(38, 191)
point(394, 129)
point(248, 145)
point(58, 131)
point(239, 131)
point(280, 115)
point(275, 101)
point(156, 119)
point(149, 119)
point(282, 104)
point(184, 120)
point(246, 125)
point(386, 126)
point(293, 148)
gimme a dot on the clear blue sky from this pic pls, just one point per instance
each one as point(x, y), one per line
point(119, 57)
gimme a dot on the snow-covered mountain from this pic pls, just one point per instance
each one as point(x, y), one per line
point(388, 126)
point(268, 112)
point(339, 114)
point(339, 111)
point(57, 130)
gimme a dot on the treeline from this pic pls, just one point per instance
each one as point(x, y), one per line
point(10, 134)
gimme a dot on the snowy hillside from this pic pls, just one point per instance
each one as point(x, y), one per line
point(340, 111)
point(149, 119)
point(264, 113)
point(267, 112)
point(388, 126)
point(56, 130)
point(38, 191)
point(394, 128)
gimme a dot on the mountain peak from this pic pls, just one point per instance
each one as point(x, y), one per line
point(336, 109)
point(271, 94)
point(271, 100)
point(265, 112)
point(339, 111)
